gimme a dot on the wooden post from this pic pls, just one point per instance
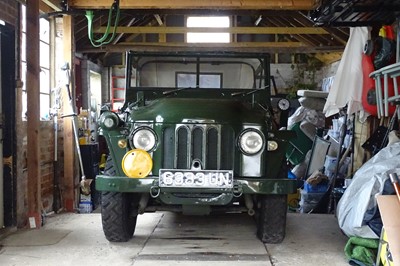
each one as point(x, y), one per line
point(69, 181)
point(33, 111)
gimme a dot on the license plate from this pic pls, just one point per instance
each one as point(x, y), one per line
point(196, 179)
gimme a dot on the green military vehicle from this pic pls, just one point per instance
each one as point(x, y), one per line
point(195, 135)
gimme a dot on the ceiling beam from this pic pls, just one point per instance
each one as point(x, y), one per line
point(195, 4)
point(53, 4)
point(232, 30)
point(271, 47)
point(222, 45)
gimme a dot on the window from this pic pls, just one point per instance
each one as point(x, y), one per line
point(206, 80)
point(208, 22)
point(44, 52)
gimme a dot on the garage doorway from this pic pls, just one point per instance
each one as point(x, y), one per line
point(7, 125)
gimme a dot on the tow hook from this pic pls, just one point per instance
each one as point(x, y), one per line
point(237, 190)
point(155, 191)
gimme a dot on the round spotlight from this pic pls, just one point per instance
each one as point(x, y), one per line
point(251, 141)
point(143, 138)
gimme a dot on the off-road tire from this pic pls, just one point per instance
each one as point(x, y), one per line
point(271, 218)
point(118, 212)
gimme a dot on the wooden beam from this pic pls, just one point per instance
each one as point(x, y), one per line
point(329, 58)
point(53, 4)
point(232, 30)
point(69, 182)
point(220, 45)
point(45, 8)
point(271, 47)
point(33, 111)
point(195, 4)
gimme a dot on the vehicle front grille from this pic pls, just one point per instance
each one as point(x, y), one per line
point(211, 144)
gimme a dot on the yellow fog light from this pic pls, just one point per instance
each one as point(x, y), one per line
point(122, 143)
point(137, 163)
point(272, 145)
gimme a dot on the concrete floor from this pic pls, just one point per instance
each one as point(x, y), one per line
point(171, 239)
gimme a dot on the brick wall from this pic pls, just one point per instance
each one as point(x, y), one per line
point(46, 163)
point(9, 14)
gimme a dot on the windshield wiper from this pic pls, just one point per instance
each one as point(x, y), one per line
point(175, 90)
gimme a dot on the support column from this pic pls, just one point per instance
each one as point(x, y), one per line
point(33, 112)
point(70, 181)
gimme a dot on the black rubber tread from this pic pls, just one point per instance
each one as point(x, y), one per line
point(118, 220)
point(271, 218)
point(117, 211)
point(109, 168)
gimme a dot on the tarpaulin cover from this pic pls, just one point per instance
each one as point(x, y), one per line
point(348, 83)
point(358, 206)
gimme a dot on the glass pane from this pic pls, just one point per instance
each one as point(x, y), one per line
point(44, 55)
point(44, 81)
point(23, 15)
point(211, 37)
point(23, 47)
point(23, 75)
point(188, 80)
point(208, 22)
point(44, 30)
point(44, 107)
point(24, 105)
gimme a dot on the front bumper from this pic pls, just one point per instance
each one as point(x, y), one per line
point(241, 186)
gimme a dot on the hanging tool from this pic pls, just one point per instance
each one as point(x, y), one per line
point(103, 40)
point(56, 182)
point(85, 183)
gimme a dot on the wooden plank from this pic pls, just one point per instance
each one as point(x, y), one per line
point(33, 110)
point(69, 147)
point(195, 4)
point(220, 45)
point(267, 47)
point(53, 4)
point(233, 30)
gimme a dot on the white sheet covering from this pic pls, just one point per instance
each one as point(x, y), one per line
point(347, 85)
point(360, 195)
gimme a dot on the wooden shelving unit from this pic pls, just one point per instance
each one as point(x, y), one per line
point(117, 92)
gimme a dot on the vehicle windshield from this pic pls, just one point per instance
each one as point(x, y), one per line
point(178, 74)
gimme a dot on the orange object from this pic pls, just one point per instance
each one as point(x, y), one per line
point(395, 181)
point(368, 94)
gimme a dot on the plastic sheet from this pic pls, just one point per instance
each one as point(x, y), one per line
point(357, 207)
point(347, 85)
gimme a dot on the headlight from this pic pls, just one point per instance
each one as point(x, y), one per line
point(251, 141)
point(143, 138)
point(109, 120)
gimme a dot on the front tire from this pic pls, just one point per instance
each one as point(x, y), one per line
point(118, 218)
point(271, 218)
point(118, 211)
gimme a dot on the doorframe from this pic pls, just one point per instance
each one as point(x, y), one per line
point(8, 85)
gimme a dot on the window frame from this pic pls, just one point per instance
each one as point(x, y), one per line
point(45, 67)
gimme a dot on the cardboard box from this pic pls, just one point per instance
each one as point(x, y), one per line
point(389, 207)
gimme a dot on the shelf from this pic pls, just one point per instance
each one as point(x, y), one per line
point(116, 99)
